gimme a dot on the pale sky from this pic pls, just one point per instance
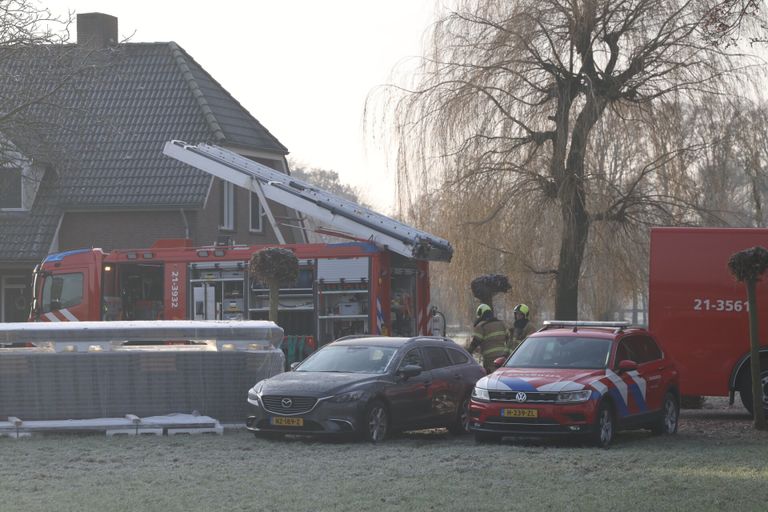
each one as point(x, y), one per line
point(303, 68)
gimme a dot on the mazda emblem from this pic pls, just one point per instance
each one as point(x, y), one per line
point(287, 402)
point(521, 397)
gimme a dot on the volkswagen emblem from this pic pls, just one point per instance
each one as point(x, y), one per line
point(521, 397)
point(287, 402)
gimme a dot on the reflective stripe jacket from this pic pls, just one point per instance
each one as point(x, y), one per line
point(491, 335)
point(517, 334)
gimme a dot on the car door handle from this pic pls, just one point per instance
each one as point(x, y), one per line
point(427, 384)
point(457, 376)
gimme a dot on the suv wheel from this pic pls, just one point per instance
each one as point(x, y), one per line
point(604, 426)
point(670, 412)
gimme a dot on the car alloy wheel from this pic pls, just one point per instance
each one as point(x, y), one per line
point(667, 421)
point(464, 415)
point(670, 415)
point(460, 425)
point(604, 426)
point(376, 422)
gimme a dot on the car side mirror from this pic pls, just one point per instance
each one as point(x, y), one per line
point(499, 362)
point(294, 365)
point(627, 365)
point(410, 370)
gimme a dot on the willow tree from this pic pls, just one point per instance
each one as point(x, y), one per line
point(274, 266)
point(503, 109)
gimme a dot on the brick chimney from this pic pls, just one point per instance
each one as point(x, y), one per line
point(96, 30)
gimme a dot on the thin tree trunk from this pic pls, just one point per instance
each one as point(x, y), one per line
point(573, 208)
point(754, 342)
point(274, 299)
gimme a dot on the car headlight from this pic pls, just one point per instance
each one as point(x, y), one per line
point(351, 396)
point(479, 393)
point(255, 393)
point(574, 396)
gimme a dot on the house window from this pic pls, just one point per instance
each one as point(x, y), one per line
point(256, 213)
point(227, 206)
point(10, 189)
point(14, 304)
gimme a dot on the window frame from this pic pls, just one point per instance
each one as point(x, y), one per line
point(227, 213)
point(260, 228)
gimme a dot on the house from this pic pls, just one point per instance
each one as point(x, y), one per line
point(86, 167)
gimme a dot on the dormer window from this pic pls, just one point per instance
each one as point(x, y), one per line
point(11, 189)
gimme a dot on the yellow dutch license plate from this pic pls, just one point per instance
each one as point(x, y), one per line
point(286, 422)
point(520, 413)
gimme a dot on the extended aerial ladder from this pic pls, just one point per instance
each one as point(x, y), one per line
point(340, 214)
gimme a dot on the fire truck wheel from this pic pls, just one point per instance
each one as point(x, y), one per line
point(745, 389)
point(375, 422)
point(670, 412)
point(460, 425)
point(604, 426)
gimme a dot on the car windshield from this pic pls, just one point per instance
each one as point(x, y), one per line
point(349, 359)
point(561, 352)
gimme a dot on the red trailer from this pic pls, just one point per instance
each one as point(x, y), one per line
point(699, 310)
point(345, 288)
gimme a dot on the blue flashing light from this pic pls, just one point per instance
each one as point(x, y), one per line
point(61, 255)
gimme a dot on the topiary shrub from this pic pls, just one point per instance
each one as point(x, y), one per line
point(274, 266)
point(486, 286)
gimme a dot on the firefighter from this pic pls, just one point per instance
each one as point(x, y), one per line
point(521, 328)
point(490, 335)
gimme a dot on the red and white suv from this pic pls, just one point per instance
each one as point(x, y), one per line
point(589, 378)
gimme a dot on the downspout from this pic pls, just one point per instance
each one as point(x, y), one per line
point(186, 223)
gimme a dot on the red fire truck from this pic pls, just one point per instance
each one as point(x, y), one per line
point(377, 283)
point(345, 288)
point(699, 310)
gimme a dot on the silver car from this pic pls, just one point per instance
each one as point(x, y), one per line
point(369, 387)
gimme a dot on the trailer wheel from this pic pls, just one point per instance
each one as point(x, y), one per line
point(745, 390)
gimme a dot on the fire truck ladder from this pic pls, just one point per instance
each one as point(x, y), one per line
point(338, 213)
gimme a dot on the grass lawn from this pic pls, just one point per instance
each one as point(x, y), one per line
point(716, 463)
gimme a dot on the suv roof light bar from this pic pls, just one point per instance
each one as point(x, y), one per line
point(618, 326)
